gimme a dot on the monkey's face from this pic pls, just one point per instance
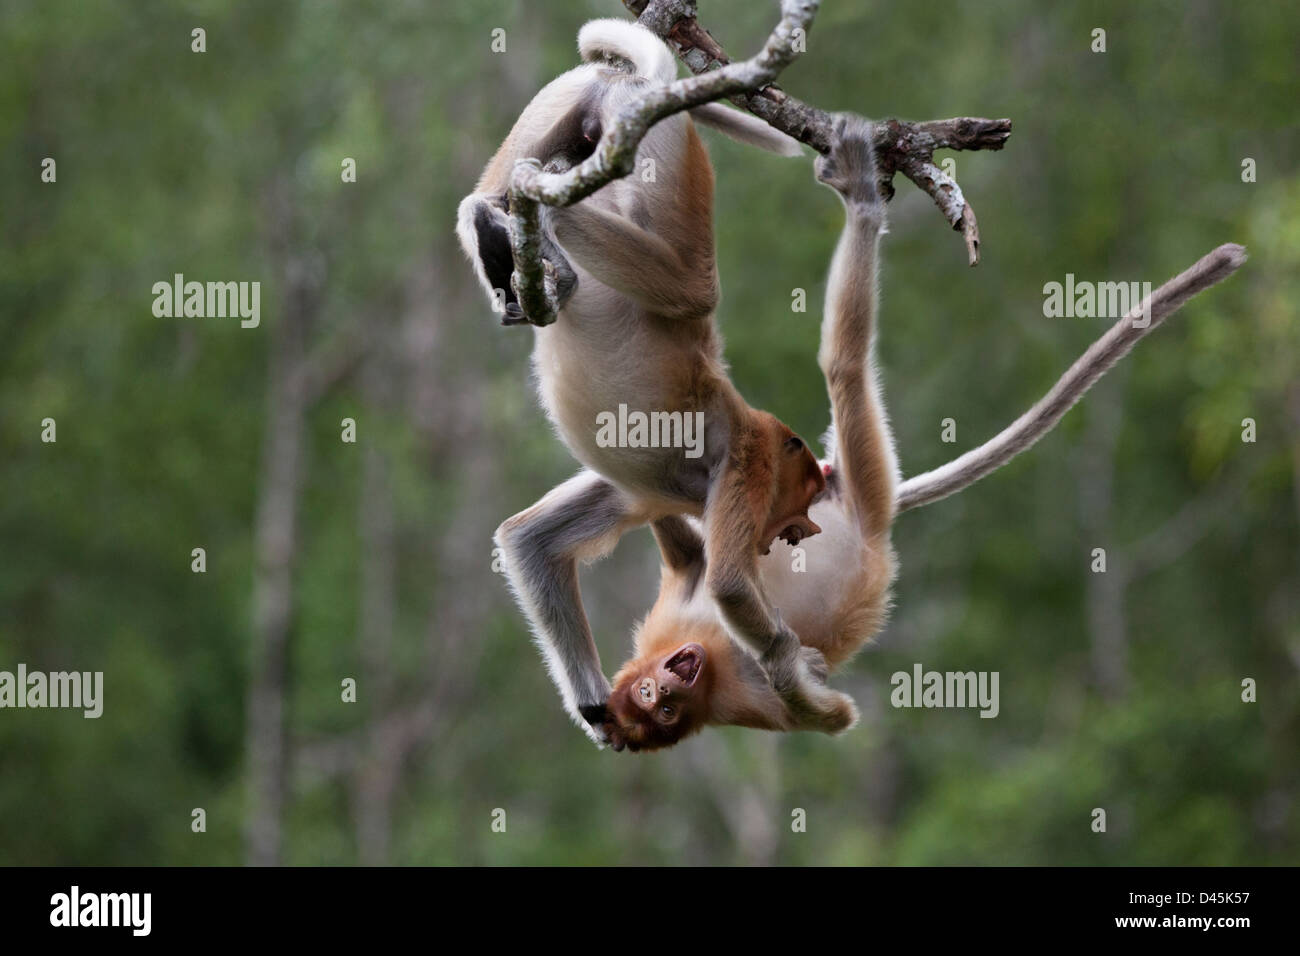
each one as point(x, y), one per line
point(659, 700)
point(799, 482)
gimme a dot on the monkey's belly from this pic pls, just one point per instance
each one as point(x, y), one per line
point(618, 419)
point(821, 586)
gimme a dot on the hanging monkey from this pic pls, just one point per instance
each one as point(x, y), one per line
point(636, 329)
point(686, 671)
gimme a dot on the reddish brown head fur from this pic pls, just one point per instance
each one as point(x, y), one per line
point(660, 698)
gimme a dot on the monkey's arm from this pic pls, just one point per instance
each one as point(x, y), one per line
point(638, 263)
point(731, 530)
point(581, 520)
point(863, 452)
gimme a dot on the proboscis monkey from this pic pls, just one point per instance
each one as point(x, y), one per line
point(636, 332)
point(686, 672)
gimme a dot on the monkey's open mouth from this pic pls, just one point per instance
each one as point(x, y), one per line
point(792, 534)
point(802, 527)
point(686, 663)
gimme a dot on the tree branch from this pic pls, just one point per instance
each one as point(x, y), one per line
point(1100, 356)
point(615, 154)
point(901, 147)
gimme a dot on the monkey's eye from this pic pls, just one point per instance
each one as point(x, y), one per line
point(794, 443)
point(667, 711)
point(646, 691)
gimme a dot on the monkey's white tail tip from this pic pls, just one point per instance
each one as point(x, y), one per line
point(599, 39)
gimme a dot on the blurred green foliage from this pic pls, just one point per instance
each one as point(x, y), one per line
point(1123, 165)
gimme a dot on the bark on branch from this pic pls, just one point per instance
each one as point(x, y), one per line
point(901, 147)
point(615, 154)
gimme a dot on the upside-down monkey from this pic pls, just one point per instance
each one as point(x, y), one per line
point(686, 671)
point(640, 325)
point(637, 330)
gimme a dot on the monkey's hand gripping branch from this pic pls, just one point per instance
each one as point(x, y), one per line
point(615, 154)
point(901, 147)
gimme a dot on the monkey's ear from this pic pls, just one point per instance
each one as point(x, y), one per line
point(745, 128)
point(680, 545)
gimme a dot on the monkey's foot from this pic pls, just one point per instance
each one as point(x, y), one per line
point(815, 661)
point(560, 279)
point(799, 679)
point(814, 706)
point(600, 726)
point(850, 167)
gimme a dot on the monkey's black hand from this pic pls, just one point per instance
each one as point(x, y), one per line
point(602, 726)
point(850, 167)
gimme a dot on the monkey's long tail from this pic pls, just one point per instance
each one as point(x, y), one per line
point(1101, 355)
point(630, 41)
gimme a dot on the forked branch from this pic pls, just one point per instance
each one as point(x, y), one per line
point(615, 154)
point(901, 147)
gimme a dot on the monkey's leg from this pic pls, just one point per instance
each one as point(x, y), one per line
point(581, 520)
point(731, 530)
point(864, 454)
point(641, 265)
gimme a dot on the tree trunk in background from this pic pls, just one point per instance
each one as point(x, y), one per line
point(377, 769)
point(744, 793)
point(275, 547)
point(1107, 626)
point(1293, 418)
